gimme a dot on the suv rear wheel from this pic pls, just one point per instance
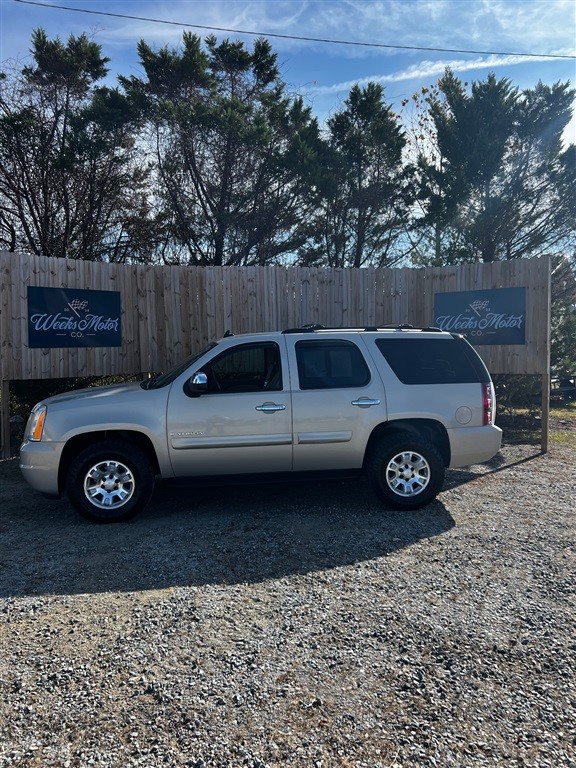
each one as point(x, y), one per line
point(406, 470)
point(110, 481)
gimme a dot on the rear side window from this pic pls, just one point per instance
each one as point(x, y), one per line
point(433, 361)
point(330, 365)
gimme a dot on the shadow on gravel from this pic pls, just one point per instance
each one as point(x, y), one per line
point(190, 536)
point(457, 477)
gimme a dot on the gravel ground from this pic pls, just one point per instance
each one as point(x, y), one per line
point(295, 625)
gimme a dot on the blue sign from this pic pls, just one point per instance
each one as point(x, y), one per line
point(495, 316)
point(62, 317)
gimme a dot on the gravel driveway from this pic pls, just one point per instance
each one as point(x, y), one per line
point(295, 625)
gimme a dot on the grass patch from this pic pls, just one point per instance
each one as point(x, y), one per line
point(563, 438)
point(565, 411)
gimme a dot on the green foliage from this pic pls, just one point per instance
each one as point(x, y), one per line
point(70, 180)
point(514, 392)
point(235, 155)
point(73, 67)
point(206, 159)
point(494, 181)
point(563, 356)
point(563, 318)
point(364, 194)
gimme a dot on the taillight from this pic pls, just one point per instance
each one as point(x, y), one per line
point(487, 404)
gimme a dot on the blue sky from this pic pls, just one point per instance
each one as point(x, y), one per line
point(323, 73)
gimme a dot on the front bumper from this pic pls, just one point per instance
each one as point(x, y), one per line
point(39, 463)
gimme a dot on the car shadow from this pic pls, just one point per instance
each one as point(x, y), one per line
point(198, 536)
point(464, 475)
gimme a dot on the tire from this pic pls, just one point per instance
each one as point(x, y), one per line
point(110, 482)
point(406, 470)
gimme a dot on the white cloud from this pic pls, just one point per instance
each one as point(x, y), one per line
point(539, 26)
point(424, 70)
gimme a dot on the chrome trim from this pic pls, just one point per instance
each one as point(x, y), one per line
point(232, 441)
point(309, 438)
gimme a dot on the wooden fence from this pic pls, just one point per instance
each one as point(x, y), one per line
point(168, 312)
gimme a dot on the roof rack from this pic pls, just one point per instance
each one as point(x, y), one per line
point(311, 328)
point(306, 329)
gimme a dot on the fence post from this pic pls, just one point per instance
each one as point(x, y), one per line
point(546, 378)
point(5, 420)
point(545, 420)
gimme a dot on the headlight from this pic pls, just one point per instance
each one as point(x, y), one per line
point(36, 423)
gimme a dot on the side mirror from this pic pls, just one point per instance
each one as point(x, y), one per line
point(197, 384)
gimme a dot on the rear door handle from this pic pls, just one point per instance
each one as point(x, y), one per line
point(270, 407)
point(365, 402)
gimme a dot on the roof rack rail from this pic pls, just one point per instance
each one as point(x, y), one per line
point(310, 328)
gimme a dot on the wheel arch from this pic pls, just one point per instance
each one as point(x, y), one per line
point(78, 443)
point(429, 429)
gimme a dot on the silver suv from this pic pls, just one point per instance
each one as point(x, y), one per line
point(400, 404)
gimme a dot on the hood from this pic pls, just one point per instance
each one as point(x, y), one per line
point(95, 393)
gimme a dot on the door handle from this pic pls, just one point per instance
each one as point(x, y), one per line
point(270, 407)
point(365, 402)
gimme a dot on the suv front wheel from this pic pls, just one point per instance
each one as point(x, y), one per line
point(110, 481)
point(406, 470)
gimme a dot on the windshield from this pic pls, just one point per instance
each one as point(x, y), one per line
point(167, 378)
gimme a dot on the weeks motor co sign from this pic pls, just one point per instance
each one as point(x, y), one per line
point(62, 317)
point(495, 316)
